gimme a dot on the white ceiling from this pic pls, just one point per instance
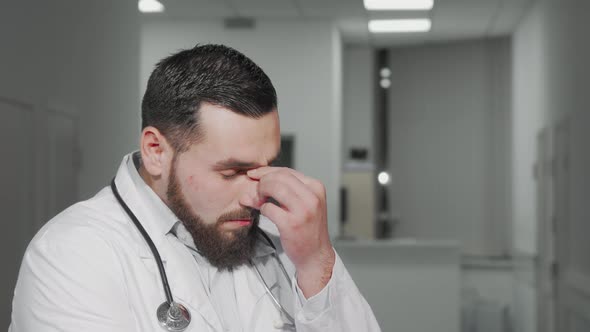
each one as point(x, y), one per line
point(451, 19)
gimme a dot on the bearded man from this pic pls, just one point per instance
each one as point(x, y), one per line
point(198, 231)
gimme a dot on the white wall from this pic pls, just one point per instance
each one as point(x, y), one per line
point(82, 59)
point(68, 68)
point(110, 121)
point(530, 84)
point(449, 143)
point(530, 99)
point(411, 286)
point(487, 287)
point(303, 60)
point(358, 100)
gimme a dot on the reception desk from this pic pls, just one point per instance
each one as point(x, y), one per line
point(412, 286)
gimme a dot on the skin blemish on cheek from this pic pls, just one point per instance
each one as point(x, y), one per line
point(190, 181)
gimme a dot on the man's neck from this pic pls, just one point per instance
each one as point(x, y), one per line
point(152, 183)
point(145, 176)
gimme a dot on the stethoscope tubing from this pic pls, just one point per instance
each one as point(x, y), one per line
point(165, 285)
point(283, 270)
point(162, 270)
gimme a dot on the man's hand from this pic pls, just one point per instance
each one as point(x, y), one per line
point(301, 218)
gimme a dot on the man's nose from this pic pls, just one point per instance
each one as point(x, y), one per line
point(249, 196)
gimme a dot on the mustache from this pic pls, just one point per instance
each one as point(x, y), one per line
point(245, 213)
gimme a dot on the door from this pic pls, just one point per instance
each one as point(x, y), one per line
point(572, 202)
point(547, 265)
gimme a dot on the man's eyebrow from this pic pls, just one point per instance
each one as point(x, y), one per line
point(240, 164)
point(235, 163)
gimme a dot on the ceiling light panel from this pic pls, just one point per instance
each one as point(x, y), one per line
point(150, 6)
point(400, 26)
point(398, 4)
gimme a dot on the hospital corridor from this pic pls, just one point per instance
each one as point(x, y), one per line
point(451, 136)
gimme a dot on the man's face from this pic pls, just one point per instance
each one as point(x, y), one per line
point(207, 182)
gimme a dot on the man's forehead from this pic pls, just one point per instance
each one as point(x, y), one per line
point(234, 140)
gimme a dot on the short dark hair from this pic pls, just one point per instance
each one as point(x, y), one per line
point(215, 74)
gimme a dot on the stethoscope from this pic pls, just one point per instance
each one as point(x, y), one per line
point(172, 315)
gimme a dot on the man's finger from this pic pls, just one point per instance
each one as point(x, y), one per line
point(275, 214)
point(287, 190)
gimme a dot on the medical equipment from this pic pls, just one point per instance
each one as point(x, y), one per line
point(174, 316)
point(171, 315)
point(278, 305)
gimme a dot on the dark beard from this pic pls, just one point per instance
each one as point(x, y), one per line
point(223, 249)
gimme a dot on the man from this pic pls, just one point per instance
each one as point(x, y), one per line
point(197, 187)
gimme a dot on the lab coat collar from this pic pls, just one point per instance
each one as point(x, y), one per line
point(154, 215)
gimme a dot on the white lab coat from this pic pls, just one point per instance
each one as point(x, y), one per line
point(89, 269)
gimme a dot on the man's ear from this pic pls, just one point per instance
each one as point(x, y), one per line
point(156, 152)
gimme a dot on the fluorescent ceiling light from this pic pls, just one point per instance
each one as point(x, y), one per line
point(399, 4)
point(403, 25)
point(150, 6)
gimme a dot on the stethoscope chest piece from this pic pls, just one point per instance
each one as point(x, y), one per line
point(173, 317)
